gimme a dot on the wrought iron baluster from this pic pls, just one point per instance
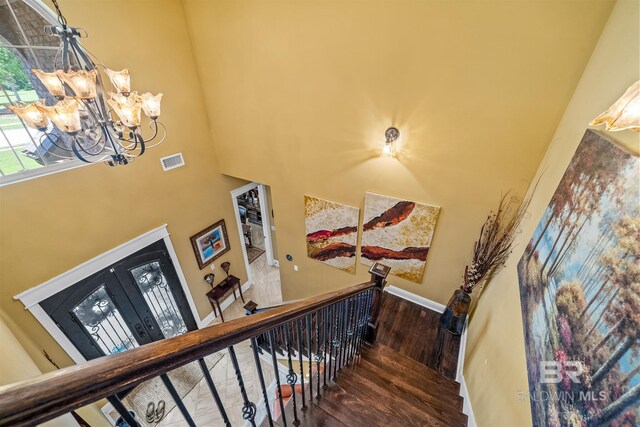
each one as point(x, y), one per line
point(359, 322)
point(277, 372)
point(318, 355)
point(368, 313)
point(177, 399)
point(292, 378)
point(123, 411)
point(300, 339)
point(336, 344)
point(343, 331)
point(248, 408)
point(310, 354)
point(331, 325)
point(350, 332)
point(214, 391)
point(325, 318)
point(256, 357)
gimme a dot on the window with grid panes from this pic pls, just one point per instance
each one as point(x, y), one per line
point(26, 152)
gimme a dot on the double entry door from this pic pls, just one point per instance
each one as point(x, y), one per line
point(130, 303)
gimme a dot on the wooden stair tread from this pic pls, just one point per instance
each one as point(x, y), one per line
point(421, 392)
point(406, 367)
point(312, 416)
point(419, 406)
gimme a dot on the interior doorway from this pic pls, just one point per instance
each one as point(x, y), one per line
point(253, 217)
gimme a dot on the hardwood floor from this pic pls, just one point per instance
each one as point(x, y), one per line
point(415, 331)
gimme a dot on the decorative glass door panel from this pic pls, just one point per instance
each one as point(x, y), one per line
point(157, 293)
point(97, 316)
point(136, 301)
point(102, 319)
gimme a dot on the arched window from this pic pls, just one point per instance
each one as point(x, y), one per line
point(26, 152)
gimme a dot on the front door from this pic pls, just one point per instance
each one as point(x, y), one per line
point(133, 302)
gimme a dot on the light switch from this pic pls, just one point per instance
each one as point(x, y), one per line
point(295, 268)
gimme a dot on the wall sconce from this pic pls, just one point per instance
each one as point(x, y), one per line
point(624, 114)
point(390, 136)
point(209, 279)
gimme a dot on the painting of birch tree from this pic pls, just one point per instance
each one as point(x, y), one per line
point(579, 283)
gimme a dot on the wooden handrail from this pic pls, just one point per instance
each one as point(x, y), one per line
point(47, 396)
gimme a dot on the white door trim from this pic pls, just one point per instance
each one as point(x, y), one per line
point(265, 210)
point(31, 298)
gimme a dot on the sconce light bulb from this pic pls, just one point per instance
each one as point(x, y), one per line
point(390, 136)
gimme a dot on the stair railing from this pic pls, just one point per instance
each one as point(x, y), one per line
point(328, 330)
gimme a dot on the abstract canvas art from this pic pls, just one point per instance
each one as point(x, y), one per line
point(579, 282)
point(332, 232)
point(398, 233)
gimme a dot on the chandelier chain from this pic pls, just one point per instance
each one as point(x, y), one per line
point(61, 19)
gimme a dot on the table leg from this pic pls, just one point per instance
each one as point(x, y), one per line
point(240, 289)
point(220, 310)
point(213, 306)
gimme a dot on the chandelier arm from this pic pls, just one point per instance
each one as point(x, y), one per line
point(89, 148)
point(97, 125)
point(155, 131)
point(164, 136)
point(86, 149)
point(77, 153)
point(45, 134)
point(79, 54)
point(142, 143)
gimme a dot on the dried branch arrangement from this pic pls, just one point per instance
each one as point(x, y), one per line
point(493, 247)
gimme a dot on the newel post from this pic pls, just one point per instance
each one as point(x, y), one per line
point(379, 273)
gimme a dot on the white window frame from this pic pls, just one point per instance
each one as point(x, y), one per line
point(25, 175)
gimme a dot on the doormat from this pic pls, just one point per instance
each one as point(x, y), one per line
point(254, 253)
point(184, 379)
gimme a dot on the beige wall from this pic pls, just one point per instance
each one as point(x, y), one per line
point(51, 224)
point(17, 365)
point(495, 367)
point(299, 94)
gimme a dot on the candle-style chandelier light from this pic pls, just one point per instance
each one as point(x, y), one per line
point(103, 126)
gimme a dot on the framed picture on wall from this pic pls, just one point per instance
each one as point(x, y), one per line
point(210, 243)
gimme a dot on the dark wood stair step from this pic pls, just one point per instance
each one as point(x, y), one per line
point(312, 416)
point(407, 368)
point(419, 392)
point(406, 407)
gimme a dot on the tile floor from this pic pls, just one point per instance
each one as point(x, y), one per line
point(199, 402)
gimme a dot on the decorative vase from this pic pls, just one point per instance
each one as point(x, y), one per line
point(454, 316)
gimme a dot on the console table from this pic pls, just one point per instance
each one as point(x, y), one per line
point(221, 290)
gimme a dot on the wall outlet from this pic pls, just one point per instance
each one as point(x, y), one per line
point(213, 266)
point(273, 228)
point(295, 268)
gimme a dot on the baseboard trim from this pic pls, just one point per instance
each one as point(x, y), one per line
point(425, 302)
point(226, 303)
point(467, 409)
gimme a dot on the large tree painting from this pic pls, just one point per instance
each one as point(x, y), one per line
point(398, 233)
point(580, 293)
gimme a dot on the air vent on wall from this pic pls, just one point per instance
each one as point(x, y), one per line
point(171, 162)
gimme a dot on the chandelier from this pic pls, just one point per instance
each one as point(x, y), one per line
point(103, 126)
